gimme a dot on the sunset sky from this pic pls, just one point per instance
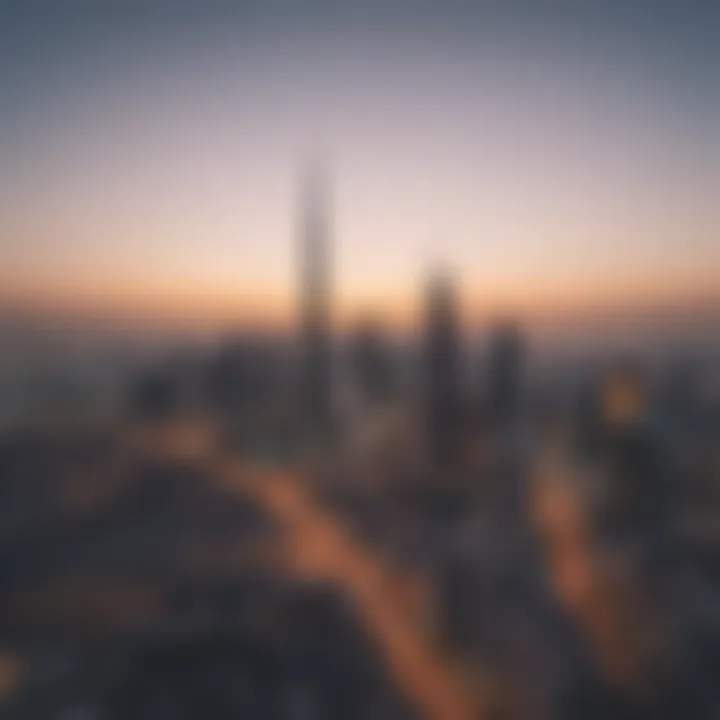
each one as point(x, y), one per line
point(552, 154)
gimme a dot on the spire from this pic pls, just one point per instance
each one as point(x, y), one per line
point(315, 260)
point(315, 299)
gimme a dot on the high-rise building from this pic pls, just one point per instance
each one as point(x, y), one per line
point(315, 306)
point(442, 368)
point(372, 361)
point(504, 372)
point(625, 444)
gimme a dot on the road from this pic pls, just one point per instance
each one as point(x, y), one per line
point(319, 546)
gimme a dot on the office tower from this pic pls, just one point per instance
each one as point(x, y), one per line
point(442, 368)
point(372, 363)
point(630, 452)
point(315, 340)
point(504, 373)
point(634, 449)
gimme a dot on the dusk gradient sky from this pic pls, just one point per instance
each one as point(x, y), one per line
point(551, 153)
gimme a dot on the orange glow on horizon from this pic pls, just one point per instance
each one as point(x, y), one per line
point(207, 306)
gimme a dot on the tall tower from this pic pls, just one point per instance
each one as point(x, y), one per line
point(504, 373)
point(442, 367)
point(315, 308)
point(372, 361)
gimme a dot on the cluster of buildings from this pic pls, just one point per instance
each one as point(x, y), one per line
point(442, 459)
point(314, 385)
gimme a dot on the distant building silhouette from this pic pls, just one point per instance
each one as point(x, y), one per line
point(229, 377)
point(154, 395)
point(315, 340)
point(372, 363)
point(504, 372)
point(442, 368)
point(243, 375)
point(171, 386)
point(621, 437)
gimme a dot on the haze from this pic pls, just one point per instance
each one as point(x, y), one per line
point(555, 159)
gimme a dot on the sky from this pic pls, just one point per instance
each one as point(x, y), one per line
point(552, 155)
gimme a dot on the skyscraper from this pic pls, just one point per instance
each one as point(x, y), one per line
point(442, 368)
point(504, 373)
point(315, 341)
point(372, 361)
